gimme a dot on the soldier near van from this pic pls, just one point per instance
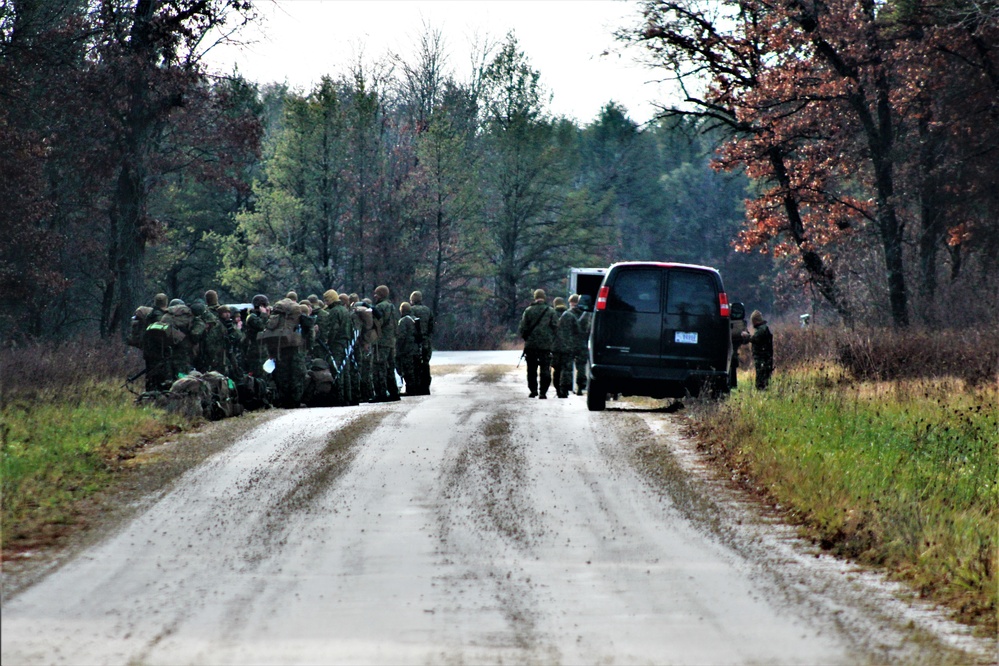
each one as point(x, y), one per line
point(739, 335)
point(254, 350)
point(579, 355)
point(537, 327)
point(383, 369)
point(408, 352)
point(339, 333)
point(424, 317)
point(564, 348)
point(762, 343)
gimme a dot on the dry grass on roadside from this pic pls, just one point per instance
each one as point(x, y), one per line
point(901, 473)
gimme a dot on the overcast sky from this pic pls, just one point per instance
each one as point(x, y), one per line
point(298, 41)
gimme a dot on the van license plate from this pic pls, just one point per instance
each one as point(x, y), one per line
point(685, 338)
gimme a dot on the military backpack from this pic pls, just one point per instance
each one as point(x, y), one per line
point(282, 330)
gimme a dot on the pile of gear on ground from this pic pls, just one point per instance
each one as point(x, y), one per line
point(213, 360)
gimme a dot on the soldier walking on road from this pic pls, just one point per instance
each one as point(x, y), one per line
point(537, 328)
point(564, 348)
point(582, 340)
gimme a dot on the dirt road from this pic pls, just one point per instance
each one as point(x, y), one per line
point(470, 526)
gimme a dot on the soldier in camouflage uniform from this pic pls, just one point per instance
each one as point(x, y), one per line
point(383, 365)
point(564, 349)
point(338, 339)
point(211, 350)
point(158, 376)
point(233, 341)
point(580, 355)
point(182, 354)
point(762, 343)
point(424, 317)
point(364, 337)
point(254, 351)
point(537, 328)
point(289, 354)
point(408, 351)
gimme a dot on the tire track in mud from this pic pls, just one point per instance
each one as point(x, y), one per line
point(487, 522)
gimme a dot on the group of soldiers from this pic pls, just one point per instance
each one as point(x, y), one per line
point(555, 338)
point(335, 350)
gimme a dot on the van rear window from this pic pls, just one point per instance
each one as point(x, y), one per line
point(691, 293)
point(636, 291)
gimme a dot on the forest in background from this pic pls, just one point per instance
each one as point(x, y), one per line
point(836, 158)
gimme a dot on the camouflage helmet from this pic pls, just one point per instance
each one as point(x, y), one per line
point(405, 308)
point(260, 301)
point(160, 301)
point(540, 295)
point(574, 299)
point(292, 296)
point(345, 299)
point(315, 302)
point(306, 307)
point(330, 296)
point(199, 307)
point(416, 298)
point(756, 317)
point(382, 291)
point(559, 302)
point(211, 298)
point(177, 301)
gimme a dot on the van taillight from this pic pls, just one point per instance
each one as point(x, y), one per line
point(602, 298)
point(723, 304)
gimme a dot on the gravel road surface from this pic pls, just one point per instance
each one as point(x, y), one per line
point(470, 526)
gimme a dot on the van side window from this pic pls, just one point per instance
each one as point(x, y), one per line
point(635, 291)
point(691, 294)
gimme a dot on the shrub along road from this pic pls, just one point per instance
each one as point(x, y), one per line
point(473, 525)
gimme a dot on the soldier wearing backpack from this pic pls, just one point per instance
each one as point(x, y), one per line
point(424, 317)
point(286, 345)
point(172, 342)
point(254, 351)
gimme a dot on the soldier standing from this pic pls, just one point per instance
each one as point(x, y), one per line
point(255, 352)
point(211, 350)
point(157, 361)
point(338, 338)
point(537, 328)
point(762, 342)
point(407, 350)
point(424, 317)
point(384, 354)
point(233, 342)
point(365, 345)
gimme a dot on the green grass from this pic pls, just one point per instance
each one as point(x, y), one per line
point(59, 448)
point(903, 475)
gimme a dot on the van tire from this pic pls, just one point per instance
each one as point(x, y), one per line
point(596, 397)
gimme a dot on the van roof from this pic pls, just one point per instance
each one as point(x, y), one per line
point(665, 264)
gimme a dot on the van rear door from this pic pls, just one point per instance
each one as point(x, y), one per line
point(693, 330)
point(631, 323)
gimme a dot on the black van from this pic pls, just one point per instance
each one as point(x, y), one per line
point(659, 330)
